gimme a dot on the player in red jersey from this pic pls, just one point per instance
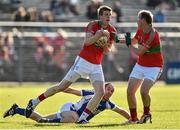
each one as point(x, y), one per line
point(87, 63)
point(148, 67)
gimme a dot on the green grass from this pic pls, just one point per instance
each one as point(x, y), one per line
point(165, 107)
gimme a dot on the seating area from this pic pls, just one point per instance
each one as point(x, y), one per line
point(129, 9)
point(27, 69)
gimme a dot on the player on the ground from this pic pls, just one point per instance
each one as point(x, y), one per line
point(87, 63)
point(148, 67)
point(70, 112)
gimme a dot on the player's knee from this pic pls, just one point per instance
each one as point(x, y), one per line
point(54, 89)
point(100, 92)
point(62, 86)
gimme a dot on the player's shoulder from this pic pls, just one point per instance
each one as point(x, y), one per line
point(112, 27)
point(93, 23)
point(110, 104)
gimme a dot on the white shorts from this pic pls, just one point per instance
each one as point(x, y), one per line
point(141, 72)
point(66, 107)
point(84, 69)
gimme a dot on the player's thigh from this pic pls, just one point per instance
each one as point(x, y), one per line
point(98, 86)
point(69, 117)
point(133, 84)
point(97, 74)
point(137, 72)
point(152, 73)
point(97, 80)
point(72, 75)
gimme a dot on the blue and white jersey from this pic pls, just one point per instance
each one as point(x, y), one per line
point(86, 96)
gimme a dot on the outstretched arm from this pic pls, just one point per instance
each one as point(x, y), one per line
point(73, 91)
point(143, 48)
point(122, 112)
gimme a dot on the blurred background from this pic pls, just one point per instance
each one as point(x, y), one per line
point(40, 39)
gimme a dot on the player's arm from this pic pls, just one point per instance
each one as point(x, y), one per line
point(107, 46)
point(73, 91)
point(143, 48)
point(91, 38)
point(123, 40)
point(122, 112)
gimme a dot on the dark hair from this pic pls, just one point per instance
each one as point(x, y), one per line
point(103, 8)
point(147, 15)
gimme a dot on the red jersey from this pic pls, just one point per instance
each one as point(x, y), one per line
point(92, 53)
point(153, 56)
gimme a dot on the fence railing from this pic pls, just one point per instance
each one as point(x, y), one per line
point(27, 69)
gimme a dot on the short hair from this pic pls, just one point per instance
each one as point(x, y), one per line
point(103, 8)
point(106, 84)
point(147, 15)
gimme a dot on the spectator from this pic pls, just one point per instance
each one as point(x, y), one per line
point(59, 40)
point(9, 43)
point(21, 15)
point(7, 53)
point(46, 16)
point(118, 11)
point(32, 12)
point(44, 52)
point(159, 15)
point(58, 44)
point(54, 7)
point(74, 7)
point(92, 9)
point(153, 3)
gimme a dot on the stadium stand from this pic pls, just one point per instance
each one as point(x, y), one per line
point(26, 68)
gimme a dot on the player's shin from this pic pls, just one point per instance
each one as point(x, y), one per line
point(93, 103)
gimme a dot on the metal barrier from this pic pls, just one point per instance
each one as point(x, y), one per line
point(115, 66)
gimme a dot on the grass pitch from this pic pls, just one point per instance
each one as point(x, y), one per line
point(165, 107)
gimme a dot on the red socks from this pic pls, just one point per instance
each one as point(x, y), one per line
point(133, 113)
point(41, 97)
point(87, 111)
point(146, 110)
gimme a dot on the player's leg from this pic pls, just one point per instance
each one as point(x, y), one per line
point(135, 80)
point(146, 99)
point(64, 117)
point(151, 75)
point(67, 114)
point(69, 117)
point(15, 109)
point(97, 81)
point(133, 85)
point(70, 77)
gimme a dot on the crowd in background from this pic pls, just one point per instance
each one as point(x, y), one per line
point(7, 53)
point(50, 51)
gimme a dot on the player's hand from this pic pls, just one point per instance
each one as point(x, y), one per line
point(102, 32)
point(128, 38)
point(103, 44)
point(105, 33)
